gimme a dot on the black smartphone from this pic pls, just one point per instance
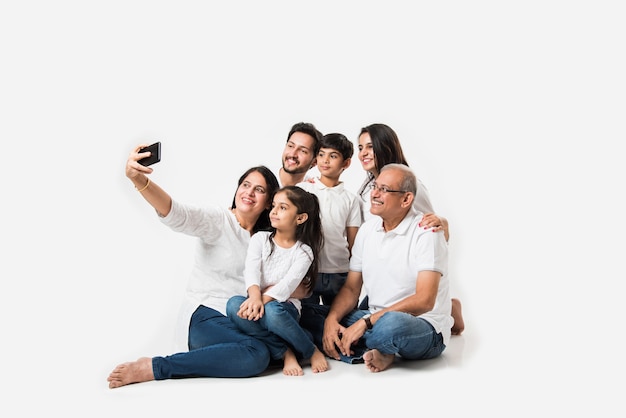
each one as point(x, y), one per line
point(155, 154)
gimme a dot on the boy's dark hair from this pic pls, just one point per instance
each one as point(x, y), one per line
point(338, 142)
point(309, 129)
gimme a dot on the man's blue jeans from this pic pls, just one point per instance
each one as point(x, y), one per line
point(278, 328)
point(216, 349)
point(403, 334)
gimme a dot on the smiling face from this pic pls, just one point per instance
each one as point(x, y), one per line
point(252, 196)
point(387, 199)
point(299, 153)
point(366, 154)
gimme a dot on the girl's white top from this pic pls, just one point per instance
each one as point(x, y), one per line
point(282, 268)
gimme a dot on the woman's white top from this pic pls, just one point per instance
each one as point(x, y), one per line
point(217, 272)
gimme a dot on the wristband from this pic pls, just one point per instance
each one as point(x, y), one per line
point(368, 321)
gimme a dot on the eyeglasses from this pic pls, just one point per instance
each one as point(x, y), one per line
point(385, 189)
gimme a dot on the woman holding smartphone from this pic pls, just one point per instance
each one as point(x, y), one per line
point(216, 348)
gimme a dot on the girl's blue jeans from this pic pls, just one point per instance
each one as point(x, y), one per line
point(278, 328)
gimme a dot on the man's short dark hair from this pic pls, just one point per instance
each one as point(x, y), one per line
point(309, 129)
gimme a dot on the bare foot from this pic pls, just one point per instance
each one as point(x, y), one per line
point(376, 361)
point(318, 362)
point(131, 372)
point(457, 315)
point(291, 367)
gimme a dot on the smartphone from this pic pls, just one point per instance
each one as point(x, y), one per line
point(155, 154)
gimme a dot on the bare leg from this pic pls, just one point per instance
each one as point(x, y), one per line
point(291, 367)
point(457, 315)
point(376, 361)
point(318, 362)
point(131, 372)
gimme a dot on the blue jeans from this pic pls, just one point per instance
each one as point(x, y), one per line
point(326, 288)
point(278, 328)
point(398, 333)
point(216, 349)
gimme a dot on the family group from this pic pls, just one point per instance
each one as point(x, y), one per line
point(299, 269)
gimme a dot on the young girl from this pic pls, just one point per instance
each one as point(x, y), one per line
point(277, 262)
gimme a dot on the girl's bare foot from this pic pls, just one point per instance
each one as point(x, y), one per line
point(131, 372)
point(318, 362)
point(291, 367)
point(457, 315)
point(375, 361)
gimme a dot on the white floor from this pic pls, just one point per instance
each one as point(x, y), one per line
point(343, 388)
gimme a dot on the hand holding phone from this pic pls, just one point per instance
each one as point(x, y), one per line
point(155, 154)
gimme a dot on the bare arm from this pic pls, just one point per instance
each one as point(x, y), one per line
point(351, 235)
point(138, 174)
point(422, 301)
point(345, 301)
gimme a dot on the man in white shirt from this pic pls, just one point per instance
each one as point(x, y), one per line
point(403, 269)
point(299, 155)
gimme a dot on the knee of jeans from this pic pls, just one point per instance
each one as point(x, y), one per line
point(273, 309)
point(233, 304)
point(275, 314)
point(389, 321)
point(390, 317)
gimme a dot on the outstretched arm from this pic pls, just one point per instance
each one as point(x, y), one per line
point(138, 174)
point(344, 302)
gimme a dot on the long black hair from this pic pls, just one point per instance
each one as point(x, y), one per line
point(308, 232)
point(386, 145)
point(263, 222)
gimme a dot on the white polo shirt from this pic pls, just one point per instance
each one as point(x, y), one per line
point(390, 262)
point(339, 209)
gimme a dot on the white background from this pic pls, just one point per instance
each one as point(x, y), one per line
point(512, 113)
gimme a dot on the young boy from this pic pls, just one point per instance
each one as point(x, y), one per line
point(340, 213)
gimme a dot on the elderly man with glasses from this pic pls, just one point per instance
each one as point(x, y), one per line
point(403, 269)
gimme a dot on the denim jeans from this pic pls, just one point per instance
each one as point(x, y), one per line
point(398, 333)
point(216, 349)
point(278, 328)
point(326, 288)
